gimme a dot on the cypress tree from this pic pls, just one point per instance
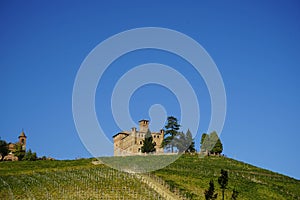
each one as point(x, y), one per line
point(148, 144)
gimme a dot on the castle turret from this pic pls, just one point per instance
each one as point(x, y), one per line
point(144, 125)
point(134, 134)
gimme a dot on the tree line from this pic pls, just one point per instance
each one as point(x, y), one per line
point(173, 138)
point(183, 142)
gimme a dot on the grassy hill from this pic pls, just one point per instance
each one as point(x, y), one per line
point(191, 174)
point(188, 177)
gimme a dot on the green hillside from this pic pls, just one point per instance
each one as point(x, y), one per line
point(192, 174)
point(187, 177)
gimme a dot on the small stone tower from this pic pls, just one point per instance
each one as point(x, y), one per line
point(22, 140)
point(144, 125)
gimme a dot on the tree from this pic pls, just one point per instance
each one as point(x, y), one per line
point(29, 155)
point(218, 148)
point(180, 142)
point(19, 152)
point(210, 193)
point(204, 142)
point(223, 181)
point(148, 144)
point(211, 143)
point(215, 143)
point(171, 131)
point(235, 194)
point(3, 149)
point(184, 142)
point(190, 141)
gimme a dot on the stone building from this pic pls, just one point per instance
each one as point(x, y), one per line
point(131, 142)
point(12, 147)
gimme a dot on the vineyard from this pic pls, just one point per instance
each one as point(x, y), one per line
point(81, 183)
point(190, 175)
point(186, 178)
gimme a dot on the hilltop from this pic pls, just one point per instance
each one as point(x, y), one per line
point(186, 178)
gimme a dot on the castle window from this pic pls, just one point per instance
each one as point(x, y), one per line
point(154, 136)
point(158, 136)
point(141, 142)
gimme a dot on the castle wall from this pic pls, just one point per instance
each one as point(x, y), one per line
point(131, 142)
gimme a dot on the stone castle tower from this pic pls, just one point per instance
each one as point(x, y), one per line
point(130, 142)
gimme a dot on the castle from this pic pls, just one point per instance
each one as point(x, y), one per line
point(12, 147)
point(131, 142)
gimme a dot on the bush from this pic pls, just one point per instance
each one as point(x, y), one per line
point(30, 156)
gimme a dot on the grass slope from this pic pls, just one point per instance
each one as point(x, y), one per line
point(190, 175)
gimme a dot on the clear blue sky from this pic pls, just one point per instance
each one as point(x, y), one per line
point(255, 44)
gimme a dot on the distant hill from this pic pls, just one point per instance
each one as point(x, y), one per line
point(186, 178)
